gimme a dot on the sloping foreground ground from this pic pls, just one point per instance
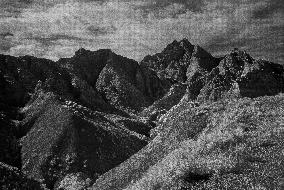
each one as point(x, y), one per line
point(235, 144)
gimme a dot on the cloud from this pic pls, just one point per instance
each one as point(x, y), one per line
point(266, 11)
point(52, 39)
point(98, 31)
point(261, 35)
point(170, 8)
point(55, 29)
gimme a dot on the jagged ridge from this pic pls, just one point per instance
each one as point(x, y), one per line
point(79, 117)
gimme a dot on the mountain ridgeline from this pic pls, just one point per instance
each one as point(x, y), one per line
point(179, 119)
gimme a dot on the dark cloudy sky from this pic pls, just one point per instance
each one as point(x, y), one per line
point(57, 28)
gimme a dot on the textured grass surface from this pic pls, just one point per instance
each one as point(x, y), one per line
point(230, 144)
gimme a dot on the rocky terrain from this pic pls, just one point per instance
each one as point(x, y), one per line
point(179, 119)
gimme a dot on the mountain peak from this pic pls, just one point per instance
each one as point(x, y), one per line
point(241, 55)
point(171, 46)
point(183, 44)
point(83, 51)
point(185, 40)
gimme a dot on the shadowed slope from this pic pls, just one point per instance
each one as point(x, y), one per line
point(65, 140)
point(12, 178)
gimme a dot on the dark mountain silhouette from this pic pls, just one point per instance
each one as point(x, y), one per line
point(180, 119)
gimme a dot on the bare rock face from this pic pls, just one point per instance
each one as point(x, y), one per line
point(117, 84)
point(185, 65)
point(20, 76)
point(172, 62)
point(165, 103)
point(201, 64)
point(78, 181)
point(86, 64)
point(210, 79)
point(181, 61)
point(89, 96)
point(105, 80)
point(239, 75)
point(129, 86)
point(84, 69)
point(137, 125)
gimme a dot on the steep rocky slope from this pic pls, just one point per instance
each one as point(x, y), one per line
point(67, 138)
point(172, 63)
point(180, 119)
point(161, 106)
point(239, 75)
point(113, 79)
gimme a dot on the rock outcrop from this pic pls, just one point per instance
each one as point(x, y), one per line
point(162, 105)
point(20, 75)
point(128, 86)
point(102, 78)
point(173, 62)
point(239, 75)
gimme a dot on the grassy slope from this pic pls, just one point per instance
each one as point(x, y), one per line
point(237, 144)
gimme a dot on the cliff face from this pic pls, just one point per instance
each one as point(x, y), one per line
point(180, 119)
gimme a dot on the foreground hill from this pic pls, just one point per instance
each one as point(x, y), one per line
point(179, 119)
point(224, 145)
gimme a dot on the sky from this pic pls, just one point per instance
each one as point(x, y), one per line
point(57, 28)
